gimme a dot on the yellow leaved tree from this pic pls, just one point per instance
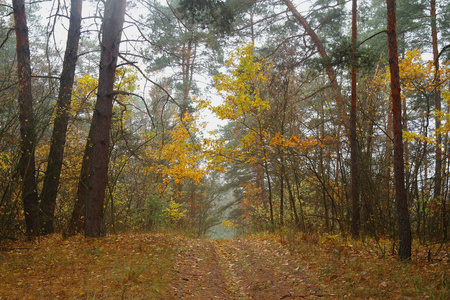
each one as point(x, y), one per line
point(82, 104)
point(254, 138)
point(242, 105)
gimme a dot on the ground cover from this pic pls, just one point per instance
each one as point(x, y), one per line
point(168, 266)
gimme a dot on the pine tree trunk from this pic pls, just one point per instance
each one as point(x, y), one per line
point(76, 223)
point(94, 173)
point(101, 122)
point(404, 227)
point(352, 129)
point(437, 106)
point(55, 157)
point(28, 143)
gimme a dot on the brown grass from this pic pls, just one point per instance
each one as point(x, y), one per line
point(143, 266)
point(122, 266)
point(369, 270)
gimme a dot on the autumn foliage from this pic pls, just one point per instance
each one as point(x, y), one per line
point(311, 147)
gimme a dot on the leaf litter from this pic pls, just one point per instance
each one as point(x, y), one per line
point(169, 266)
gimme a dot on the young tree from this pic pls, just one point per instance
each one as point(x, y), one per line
point(404, 227)
point(27, 131)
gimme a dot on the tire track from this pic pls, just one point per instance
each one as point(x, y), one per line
point(265, 270)
point(198, 273)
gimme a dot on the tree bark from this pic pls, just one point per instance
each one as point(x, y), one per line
point(76, 223)
point(94, 173)
point(27, 132)
point(404, 227)
point(352, 128)
point(55, 157)
point(437, 106)
point(282, 196)
point(101, 122)
point(269, 187)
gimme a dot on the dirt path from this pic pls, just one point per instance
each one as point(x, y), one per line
point(198, 274)
point(169, 266)
point(239, 269)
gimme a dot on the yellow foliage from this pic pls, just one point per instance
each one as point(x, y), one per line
point(175, 212)
point(411, 136)
point(444, 116)
point(419, 76)
point(240, 89)
point(228, 224)
point(295, 142)
point(177, 157)
point(4, 161)
point(416, 74)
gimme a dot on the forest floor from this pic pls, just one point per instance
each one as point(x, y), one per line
point(168, 266)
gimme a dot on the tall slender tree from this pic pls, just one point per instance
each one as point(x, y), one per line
point(55, 158)
point(94, 172)
point(404, 226)
point(352, 127)
point(437, 106)
point(27, 126)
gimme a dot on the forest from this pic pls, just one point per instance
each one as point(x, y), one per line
point(304, 144)
point(226, 118)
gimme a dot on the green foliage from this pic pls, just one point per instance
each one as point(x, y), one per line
point(329, 18)
point(341, 56)
point(208, 13)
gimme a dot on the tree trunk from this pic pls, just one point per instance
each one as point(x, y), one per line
point(269, 187)
point(404, 227)
point(187, 62)
point(27, 160)
point(55, 157)
point(437, 106)
point(76, 223)
point(292, 203)
point(281, 196)
point(352, 129)
point(322, 169)
point(94, 172)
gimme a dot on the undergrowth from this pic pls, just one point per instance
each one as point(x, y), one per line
point(369, 269)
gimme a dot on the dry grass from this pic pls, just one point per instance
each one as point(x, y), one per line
point(143, 266)
point(364, 270)
point(122, 266)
